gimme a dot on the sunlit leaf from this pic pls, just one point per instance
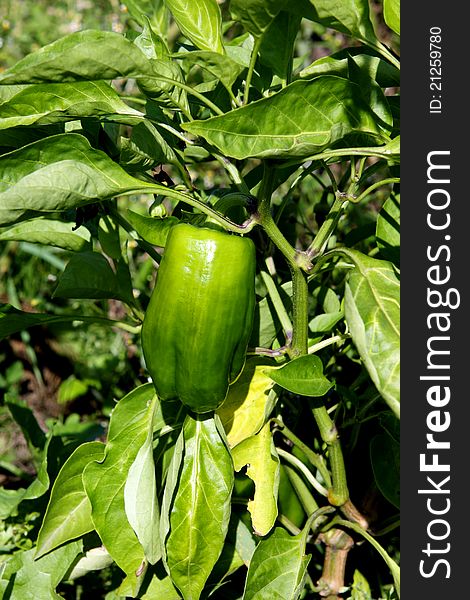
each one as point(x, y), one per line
point(68, 513)
point(104, 482)
point(200, 509)
point(372, 309)
point(302, 376)
point(278, 568)
point(301, 120)
point(248, 403)
point(259, 454)
point(200, 21)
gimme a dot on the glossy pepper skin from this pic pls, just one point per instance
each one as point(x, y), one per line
point(200, 316)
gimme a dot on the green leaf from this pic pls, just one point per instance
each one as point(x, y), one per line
point(325, 322)
point(278, 567)
point(392, 14)
point(372, 310)
point(94, 560)
point(249, 402)
point(256, 16)
point(242, 537)
point(140, 500)
point(385, 459)
point(89, 55)
point(23, 578)
point(200, 508)
point(68, 513)
point(276, 48)
point(372, 94)
point(13, 320)
point(200, 21)
point(104, 482)
point(301, 120)
point(59, 173)
point(44, 104)
point(151, 43)
point(25, 419)
point(388, 229)
point(385, 74)
point(302, 376)
point(37, 488)
point(351, 17)
point(154, 10)
point(92, 55)
point(360, 589)
point(259, 453)
point(145, 149)
point(48, 232)
point(152, 229)
point(160, 586)
point(220, 66)
point(89, 275)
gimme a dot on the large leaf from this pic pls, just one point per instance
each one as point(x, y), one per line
point(98, 55)
point(56, 174)
point(303, 375)
point(152, 229)
point(104, 482)
point(89, 275)
point(200, 510)
point(68, 513)
point(259, 453)
point(392, 14)
point(388, 229)
point(13, 320)
point(276, 49)
point(220, 66)
point(23, 578)
point(200, 21)
point(301, 120)
point(84, 55)
point(44, 104)
point(351, 17)
point(372, 310)
point(154, 11)
point(385, 74)
point(145, 148)
point(278, 567)
point(248, 404)
point(48, 232)
point(140, 500)
point(257, 15)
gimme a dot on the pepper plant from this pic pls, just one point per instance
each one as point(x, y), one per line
point(207, 125)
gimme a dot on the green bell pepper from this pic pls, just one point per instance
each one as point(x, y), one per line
point(200, 316)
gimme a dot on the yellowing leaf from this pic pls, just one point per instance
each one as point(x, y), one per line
point(259, 453)
point(248, 404)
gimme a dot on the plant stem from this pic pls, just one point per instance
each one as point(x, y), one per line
point(328, 342)
point(338, 544)
point(338, 492)
point(149, 188)
point(318, 246)
point(278, 304)
point(251, 68)
point(296, 462)
point(299, 345)
point(306, 499)
point(374, 186)
point(315, 459)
